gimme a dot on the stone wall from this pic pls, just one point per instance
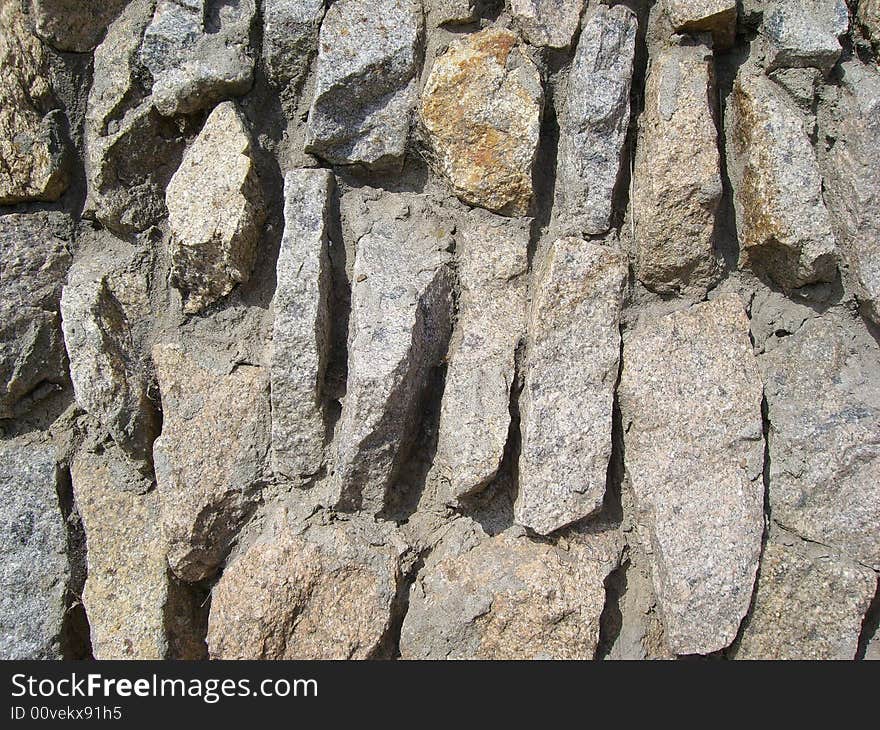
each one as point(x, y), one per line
point(439, 329)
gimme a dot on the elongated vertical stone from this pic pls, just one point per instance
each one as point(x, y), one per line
point(475, 413)
point(399, 329)
point(300, 336)
point(290, 38)
point(593, 124)
point(690, 396)
point(572, 366)
point(677, 185)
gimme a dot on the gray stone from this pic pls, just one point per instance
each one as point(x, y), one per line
point(550, 23)
point(783, 224)
point(301, 333)
point(369, 54)
point(677, 180)
point(32, 148)
point(309, 592)
point(198, 53)
point(108, 380)
point(717, 17)
point(805, 32)
point(290, 38)
point(441, 12)
point(480, 113)
point(690, 396)
point(131, 151)
point(572, 366)
point(210, 456)
point(33, 266)
point(511, 598)
point(34, 570)
point(869, 18)
point(808, 605)
point(801, 85)
point(475, 412)
point(215, 211)
point(852, 187)
point(399, 329)
point(131, 599)
point(823, 398)
point(73, 25)
point(593, 123)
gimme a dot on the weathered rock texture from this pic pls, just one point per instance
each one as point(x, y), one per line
point(369, 54)
point(690, 394)
point(481, 111)
point(439, 329)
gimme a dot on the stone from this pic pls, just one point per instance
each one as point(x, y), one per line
point(823, 404)
point(547, 23)
point(805, 32)
point(131, 599)
point(442, 12)
point(475, 411)
point(209, 458)
point(398, 331)
point(784, 227)
point(572, 366)
point(717, 17)
point(215, 211)
point(34, 569)
point(301, 332)
point(509, 597)
point(131, 151)
point(594, 120)
point(108, 381)
point(807, 607)
point(677, 186)
point(869, 18)
point(319, 592)
point(290, 38)
point(852, 189)
point(71, 25)
point(34, 260)
point(801, 84)
point(481, 113)
point(690, 396)
point(32, 146)
point(369, 55)
point(198, 52)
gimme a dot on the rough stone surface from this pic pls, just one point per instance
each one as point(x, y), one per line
point(34, 570)
point(34, 260)
point(784, 226)
point(807, 606)
point(593, 123)
point(717, 17)
point(107, 378)
point(290, 38)
point(823, 398)
point(511, 598)
point(475, 412)
point(572, 366)
point(198, 52)
point(369, 55)
point(805, 32)
point(33, 163)
point(852, 187)
point(323, 592)
point(550, 23)
point(677, 185)
point(73, 25)
point(690, 396)
point(869, 17)
point(300, 336)
point(215, 211)
point(397, 332)
point(129, 595)
point(209, 458)
point(131, 152)
point(481, 113)
point(441, 12)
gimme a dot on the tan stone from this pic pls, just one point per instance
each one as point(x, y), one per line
point(717, 17)
point(869, 17)
point(481, 111)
